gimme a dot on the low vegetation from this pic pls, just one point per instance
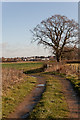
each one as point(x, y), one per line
point(53, 103)
point(10, 77)
point(16, 85)
point(76, 83)
point(70, 71)
point(16, 94)
point(72, 76)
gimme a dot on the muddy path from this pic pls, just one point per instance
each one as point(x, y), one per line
point(24, 108)
point(72, 98)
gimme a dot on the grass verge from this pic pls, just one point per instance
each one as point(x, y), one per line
point(16, 94)
point(75, 82)
point(53, 103)
point(72, 78)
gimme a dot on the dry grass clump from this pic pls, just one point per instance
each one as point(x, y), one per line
point(69, 70)
point(65, 69)
point(10, 77)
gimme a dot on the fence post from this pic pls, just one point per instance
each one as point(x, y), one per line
point(78, 69)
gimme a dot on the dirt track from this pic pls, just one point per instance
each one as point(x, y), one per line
point(73, 101)
point(72, 98)
point(24, 108)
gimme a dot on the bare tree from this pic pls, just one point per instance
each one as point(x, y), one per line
point(56, 32)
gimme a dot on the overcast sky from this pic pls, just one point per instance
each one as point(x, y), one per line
point(19, 17)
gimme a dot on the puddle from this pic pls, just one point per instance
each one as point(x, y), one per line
point(30, 106)
point(37, 88)
point(41, 85)
point(33, 76)
point(71, 89)
point(25, 116)
point(73, 95)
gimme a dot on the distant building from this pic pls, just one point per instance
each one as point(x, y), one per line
point(32, 58)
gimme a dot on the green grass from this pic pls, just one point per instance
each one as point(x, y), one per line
point(16, 94)
point(75, 82)
point(73, 78)
point(22, 66)
point(53, 103)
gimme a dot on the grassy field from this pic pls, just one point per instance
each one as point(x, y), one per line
point(53, 104)
point(15, 84)
point(22, 66)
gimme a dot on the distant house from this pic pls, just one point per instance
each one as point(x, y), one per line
point(32, 58)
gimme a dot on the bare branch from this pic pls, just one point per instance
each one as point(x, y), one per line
point(56, 32)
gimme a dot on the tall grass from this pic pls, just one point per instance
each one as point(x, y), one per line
point(16, 85)
point(10, 77)
point(12, 73)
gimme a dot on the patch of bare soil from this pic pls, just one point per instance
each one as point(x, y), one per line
point(72, 98)
point(24, 108)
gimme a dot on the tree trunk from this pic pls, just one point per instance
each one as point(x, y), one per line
point(58, 59)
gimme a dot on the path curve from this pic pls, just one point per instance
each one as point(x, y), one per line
point(72, 98)
point(25, 107)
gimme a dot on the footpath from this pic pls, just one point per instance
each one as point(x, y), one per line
point(72, 99)
point(24, 108)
